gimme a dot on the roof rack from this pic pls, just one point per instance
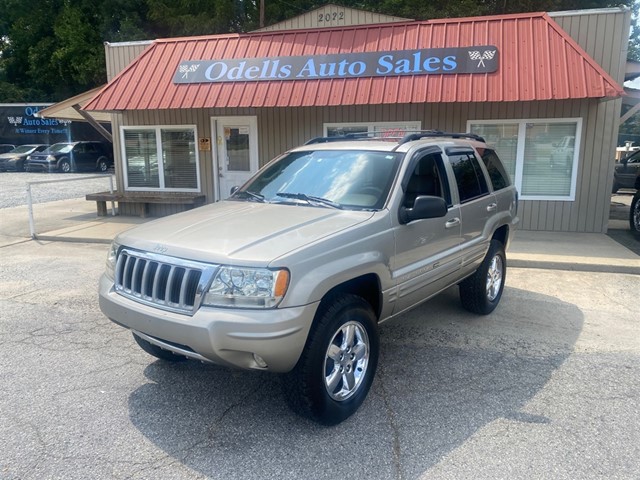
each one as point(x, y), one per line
point(348, 136)
point(417, 135)
point(409, 136)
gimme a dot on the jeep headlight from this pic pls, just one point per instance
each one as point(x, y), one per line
point(112, 258)
point(50, 158)
point(247, 287)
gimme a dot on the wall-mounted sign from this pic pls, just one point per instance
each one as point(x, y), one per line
point(480, 59)
point(204, 144)
point(26, 122)
point(19, 125)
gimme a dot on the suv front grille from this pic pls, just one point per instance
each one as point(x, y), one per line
point(165, 282)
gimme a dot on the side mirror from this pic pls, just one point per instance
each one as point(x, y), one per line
point(234, 190)
point(424, 207)
point(624, 161)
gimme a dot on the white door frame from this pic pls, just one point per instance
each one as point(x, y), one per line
point(217, 141)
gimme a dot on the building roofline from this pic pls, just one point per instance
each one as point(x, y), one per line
point(30, 104)
point(131, 88)
point(128, 44)
point(593, 11)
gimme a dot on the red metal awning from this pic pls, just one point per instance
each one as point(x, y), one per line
point(538, 61)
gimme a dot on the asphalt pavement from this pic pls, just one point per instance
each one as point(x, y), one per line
point(545, 387)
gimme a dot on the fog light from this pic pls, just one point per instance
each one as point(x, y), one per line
point(259, 360)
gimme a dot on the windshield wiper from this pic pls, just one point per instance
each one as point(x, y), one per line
point(256, 197)
point(310, 199)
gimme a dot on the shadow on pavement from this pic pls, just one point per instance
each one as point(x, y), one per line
point(443, 375)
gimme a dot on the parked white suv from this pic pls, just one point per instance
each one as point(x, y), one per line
point(295, 271)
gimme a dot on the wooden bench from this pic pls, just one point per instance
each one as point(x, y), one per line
point(142, 200)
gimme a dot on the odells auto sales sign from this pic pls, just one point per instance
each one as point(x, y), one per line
point(480, 59)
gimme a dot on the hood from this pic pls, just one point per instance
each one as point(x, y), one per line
point(9, 156)
point(241, 233)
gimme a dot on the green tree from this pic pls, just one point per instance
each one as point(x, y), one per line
point(171, 18)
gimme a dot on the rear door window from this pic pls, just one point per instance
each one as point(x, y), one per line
point(469, 175)
point(497, 174)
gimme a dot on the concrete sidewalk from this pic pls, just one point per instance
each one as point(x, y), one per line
point(77, 221)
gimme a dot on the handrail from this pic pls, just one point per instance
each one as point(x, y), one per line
point(32, 227)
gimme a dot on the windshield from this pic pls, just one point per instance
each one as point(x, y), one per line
point(350, 179)
point(23, 149)
point(59, 148)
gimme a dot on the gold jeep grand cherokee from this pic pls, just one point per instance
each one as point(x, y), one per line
point(294, 272)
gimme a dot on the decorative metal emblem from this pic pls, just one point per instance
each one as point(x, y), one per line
point(160, 248)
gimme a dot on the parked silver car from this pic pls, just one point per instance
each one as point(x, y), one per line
point(295, 271)
point(16, 158)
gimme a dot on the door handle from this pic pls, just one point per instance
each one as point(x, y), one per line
point(454, 222)
point(491, 207)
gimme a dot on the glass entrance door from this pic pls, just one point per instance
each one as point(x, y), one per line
point(236, 152)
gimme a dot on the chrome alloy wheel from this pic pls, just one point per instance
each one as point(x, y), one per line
point(346, 361)
point(494, 277)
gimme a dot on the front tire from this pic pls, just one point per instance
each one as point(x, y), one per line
point(158, 352)
point(64, 166)
point(337, 367)
point(481, 292)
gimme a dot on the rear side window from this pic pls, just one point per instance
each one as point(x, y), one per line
point(497, 173)
point(469, 176)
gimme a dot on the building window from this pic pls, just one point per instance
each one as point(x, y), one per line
point(160, 158)
point(540, 155)
point(380, 128)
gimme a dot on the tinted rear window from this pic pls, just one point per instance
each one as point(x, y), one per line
point(469, 176)
point(498, 175)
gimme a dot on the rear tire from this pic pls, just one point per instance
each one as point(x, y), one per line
point(481, 292)
point(337, 367)
point(158, 352)
point(103, 165)
point(634, 215)
point(615, 187)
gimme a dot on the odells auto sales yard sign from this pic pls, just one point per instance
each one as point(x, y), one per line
point(481, 59)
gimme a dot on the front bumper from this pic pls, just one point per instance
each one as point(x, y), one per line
point(228, 337)
point(49, 167)
point(10, 165)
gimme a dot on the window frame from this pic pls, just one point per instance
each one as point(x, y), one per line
point(520, 150)
point(159, 151)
